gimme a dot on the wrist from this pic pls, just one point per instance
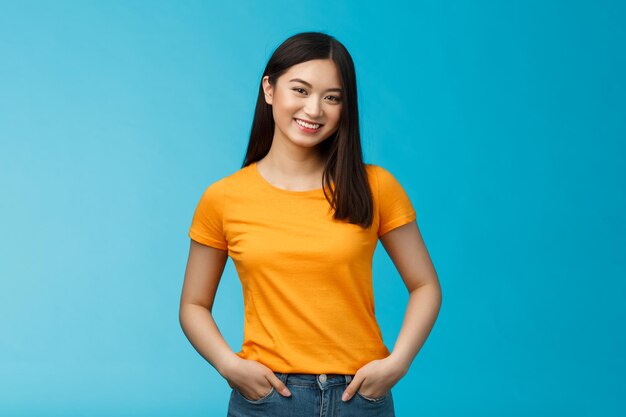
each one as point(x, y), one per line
point(225, 366)
point(399, 363)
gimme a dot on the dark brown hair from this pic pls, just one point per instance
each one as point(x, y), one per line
point(351, 197)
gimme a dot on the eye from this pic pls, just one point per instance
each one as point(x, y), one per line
point(298, 89)
point(335, 98)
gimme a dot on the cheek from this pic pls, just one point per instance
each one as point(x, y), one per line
point(336, 115)
point(285, 107)
point(281, 109)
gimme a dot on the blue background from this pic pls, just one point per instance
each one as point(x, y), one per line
point(504, 121)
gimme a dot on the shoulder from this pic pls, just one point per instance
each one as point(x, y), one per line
point(376, 169)
point(230, 181)
point(372, 171)
point(384, 183)
point(379, 175)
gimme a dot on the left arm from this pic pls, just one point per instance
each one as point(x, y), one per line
point(408, 252)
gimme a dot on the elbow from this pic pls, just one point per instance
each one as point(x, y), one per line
point(187, 308)
point(181, 318)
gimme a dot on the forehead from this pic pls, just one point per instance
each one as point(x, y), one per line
point(322, 73)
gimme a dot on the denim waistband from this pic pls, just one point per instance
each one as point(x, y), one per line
point(320, 380)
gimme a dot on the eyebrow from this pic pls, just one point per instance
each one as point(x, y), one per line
point(310, 86)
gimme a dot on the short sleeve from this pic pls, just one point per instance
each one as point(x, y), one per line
point(207, 223)
point(395, 207)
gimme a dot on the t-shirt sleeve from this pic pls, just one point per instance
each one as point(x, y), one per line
point(207, 223)
point(395, 208)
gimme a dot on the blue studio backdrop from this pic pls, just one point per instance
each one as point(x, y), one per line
point(504, 121)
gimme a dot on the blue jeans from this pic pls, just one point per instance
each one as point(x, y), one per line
point(316, 395)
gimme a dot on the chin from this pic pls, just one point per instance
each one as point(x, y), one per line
point(307, 144)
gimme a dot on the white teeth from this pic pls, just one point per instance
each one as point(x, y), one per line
point(305, 124)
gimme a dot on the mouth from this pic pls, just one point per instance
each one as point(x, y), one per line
point(307, 126)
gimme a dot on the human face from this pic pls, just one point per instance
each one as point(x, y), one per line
point(311, 92)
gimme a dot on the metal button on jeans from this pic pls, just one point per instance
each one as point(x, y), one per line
point(322, 378)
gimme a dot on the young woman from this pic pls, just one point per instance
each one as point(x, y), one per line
point(301, 220)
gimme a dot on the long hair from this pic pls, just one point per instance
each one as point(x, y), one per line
point(351, 197)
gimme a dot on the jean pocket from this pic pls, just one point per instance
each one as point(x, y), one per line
point(258, 401)
point(373, 400)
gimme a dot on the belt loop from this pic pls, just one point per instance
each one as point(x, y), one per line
point(282, 376)
point(348, 379)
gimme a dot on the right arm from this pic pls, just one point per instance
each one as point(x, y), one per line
point(205, 266)
point(202, 276)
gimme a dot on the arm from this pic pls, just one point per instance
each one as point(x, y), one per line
point(202, 276)
point(408, 252)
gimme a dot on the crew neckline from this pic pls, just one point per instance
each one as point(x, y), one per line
point(269, 185)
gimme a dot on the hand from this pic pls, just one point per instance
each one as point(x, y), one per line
point(253, 379)
point(374, 379)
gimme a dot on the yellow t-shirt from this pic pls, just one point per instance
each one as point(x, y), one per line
point(306, 278)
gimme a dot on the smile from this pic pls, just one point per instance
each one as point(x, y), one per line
point(309, 126)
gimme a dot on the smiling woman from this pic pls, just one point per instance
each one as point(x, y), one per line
point(301, 221)
point(303, 109)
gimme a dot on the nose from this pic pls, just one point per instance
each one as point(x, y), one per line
point(313, 107)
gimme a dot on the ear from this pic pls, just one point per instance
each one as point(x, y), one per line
point(268, 89)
